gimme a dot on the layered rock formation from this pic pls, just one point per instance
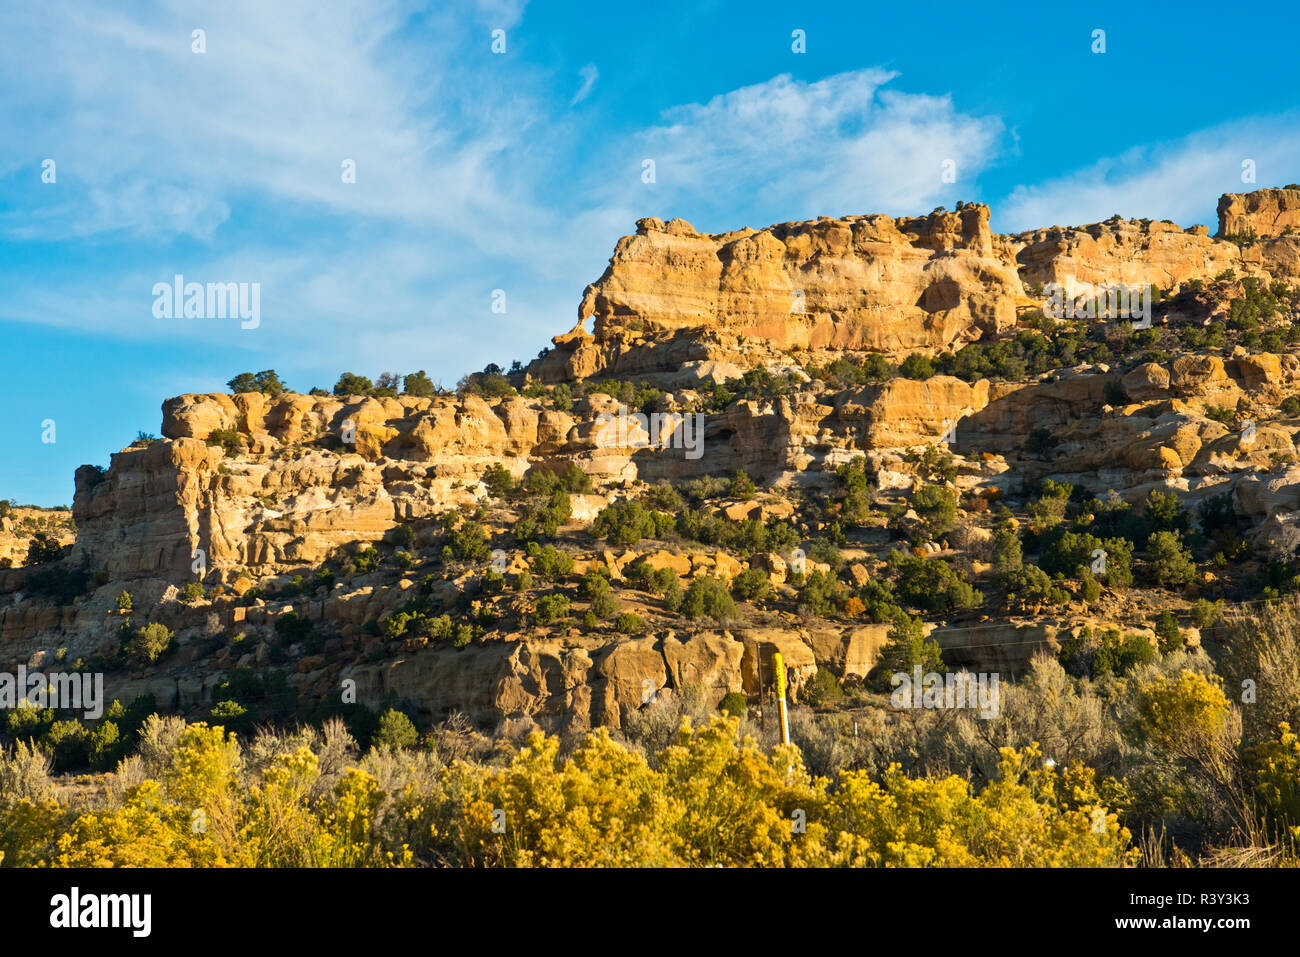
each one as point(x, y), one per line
point(862, 282)
point(20, 524)
point(1122, 251)
point(1268, 221)
point(673, 299)
point(1162, 437)
point(258, 486)
point(1264, 213)
point(297, 491)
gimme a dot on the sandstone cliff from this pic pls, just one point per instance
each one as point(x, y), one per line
point(862, 282)
point(673, 299)
point(296, 491)
point(1264, 213)
point(1123, 251)
point(18, 525)
point(251, 489)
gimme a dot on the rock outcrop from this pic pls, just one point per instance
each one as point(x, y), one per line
point(250, 487)
point(673, 299)
point(1264, 213)
point(861, 282)
point(292, 490)
point(18, 525)
point(1126, 252)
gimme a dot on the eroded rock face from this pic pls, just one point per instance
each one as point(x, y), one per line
point(1122, 251)
point(182, 508)
point(862, 282)
point(1161, 436)
point(19, 525)
point(906, 412)
point(673, 299)
point(277, 484)
point(294, 491)
point(292, 503)
point(1264, 213)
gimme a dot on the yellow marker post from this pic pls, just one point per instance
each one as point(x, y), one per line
point(778, 665)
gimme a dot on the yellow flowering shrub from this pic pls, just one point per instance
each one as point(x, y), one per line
point(710, 798)
point(739, 807)
point(716, 800)
point(1275, 767)
point(1184, 716)
point(281, 826)
point(1031, 816)
point(143, 832)
point(603, 806)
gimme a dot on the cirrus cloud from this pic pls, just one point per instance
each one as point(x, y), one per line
point(1180, 180)
point(788, 149)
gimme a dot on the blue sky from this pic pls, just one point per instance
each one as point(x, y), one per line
point(518, 171)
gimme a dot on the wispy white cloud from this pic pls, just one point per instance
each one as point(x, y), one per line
point(471, 175)
point(160, 139)
point(589, 75)
point(1180, 180)
point(501, 14)
point(789, 149)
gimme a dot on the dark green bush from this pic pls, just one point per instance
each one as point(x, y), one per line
point(1117, 655)
point(708, 598)
point(1169, 564)
point(148, 643)
point(917, 366)
point(821, 689)
point(932, 585)
point(733, 703)
point(395, 732)
point(751, 585)
point(552, 608)
point(906, 647)
point(626, 523)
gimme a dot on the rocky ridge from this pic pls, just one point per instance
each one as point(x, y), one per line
point(249, 489)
